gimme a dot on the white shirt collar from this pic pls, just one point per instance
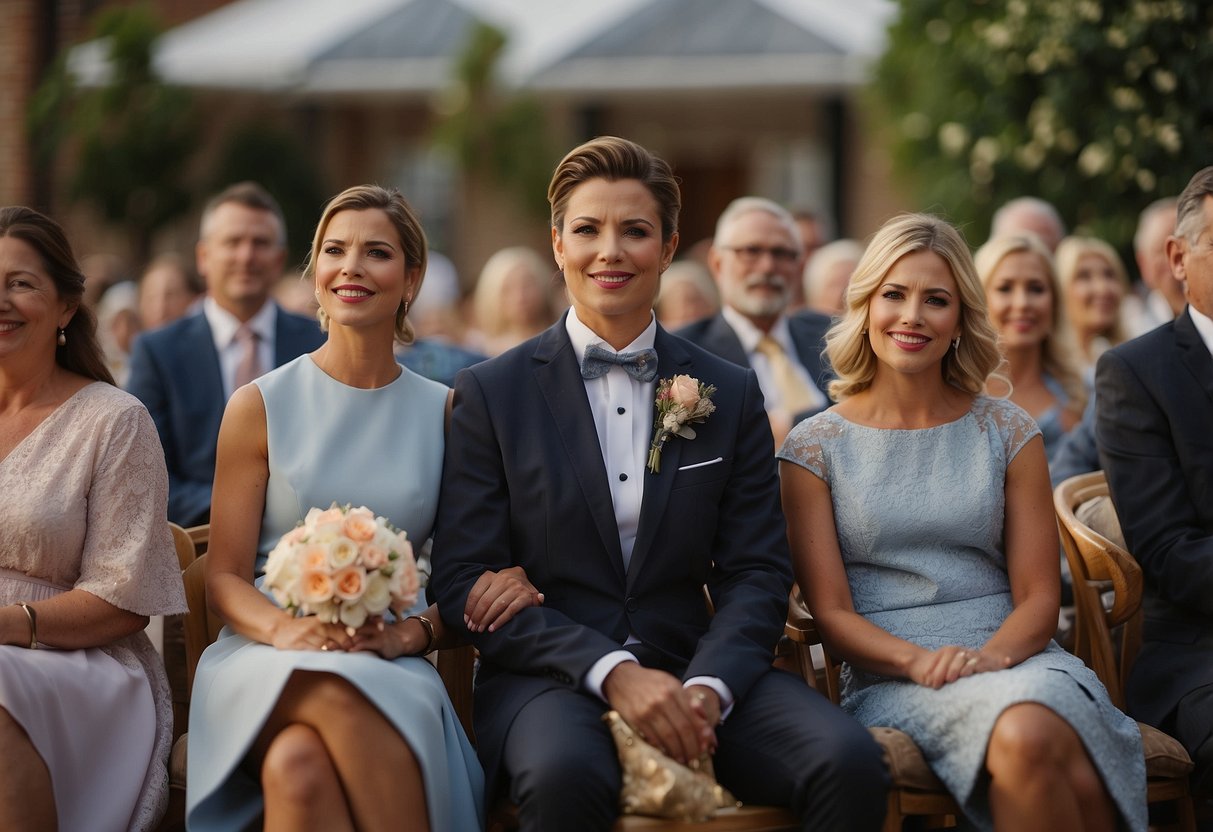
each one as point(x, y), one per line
point(224, 324)
point(582, 336)
point(1204, 326)
point(750, 335)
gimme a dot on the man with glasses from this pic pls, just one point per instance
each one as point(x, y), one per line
point(756, 259)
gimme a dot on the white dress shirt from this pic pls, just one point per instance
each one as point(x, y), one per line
point(223, 330)
point(1204, 326)
point(623, 416)
point(750, 335)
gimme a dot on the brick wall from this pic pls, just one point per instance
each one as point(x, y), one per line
point(20, 22)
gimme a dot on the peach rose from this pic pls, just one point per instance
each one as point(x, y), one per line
point(405, 583)
point(684, 390)
point(313, 557)
point(315, 587)
point(360, 525)
point(293, 536)
point(349, 583)
point(373, 556)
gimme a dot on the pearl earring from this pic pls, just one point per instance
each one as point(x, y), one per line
point(62, 339)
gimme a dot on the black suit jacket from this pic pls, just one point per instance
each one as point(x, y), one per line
point(808, 335)
point(525, 484)
point(1154, 427)
point(175, 373)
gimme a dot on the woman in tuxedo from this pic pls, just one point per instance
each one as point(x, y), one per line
point(549, 468)
point(86, 717)
point(914, 511)
point(314, 725)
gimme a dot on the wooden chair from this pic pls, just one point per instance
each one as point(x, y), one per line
point(1099, 565)
point(914, 790)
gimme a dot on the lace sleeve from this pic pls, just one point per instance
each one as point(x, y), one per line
point(128, 557)
point(806, 444)
point(1013, 424)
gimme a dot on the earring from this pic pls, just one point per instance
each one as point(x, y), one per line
point(956, 343)
point(62, 339)
point(406, 307)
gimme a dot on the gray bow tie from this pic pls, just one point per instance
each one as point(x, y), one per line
point(640, 365)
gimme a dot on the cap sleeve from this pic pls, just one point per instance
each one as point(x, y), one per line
point(128, 557)
point(806, 444)
point(1012, 423)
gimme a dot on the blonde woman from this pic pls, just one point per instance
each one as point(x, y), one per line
point(511, 300)
point(913, 509)
point(1093, 283)
point(1025, 306)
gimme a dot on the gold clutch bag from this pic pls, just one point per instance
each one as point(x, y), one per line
point(656, 785)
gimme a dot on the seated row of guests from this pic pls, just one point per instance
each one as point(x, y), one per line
point(572, 546)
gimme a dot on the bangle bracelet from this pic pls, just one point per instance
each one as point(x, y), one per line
point(429, 632)
point(33, 624)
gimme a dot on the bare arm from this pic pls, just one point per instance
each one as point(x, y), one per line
point(1033, 563)
point(238, 501)
point(73, 620)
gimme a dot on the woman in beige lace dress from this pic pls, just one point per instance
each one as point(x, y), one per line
point(85, 558)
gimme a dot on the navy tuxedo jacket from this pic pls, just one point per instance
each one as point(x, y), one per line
point(525, 484)
point(175, 373)
point(808, 335)
point(1154, 426)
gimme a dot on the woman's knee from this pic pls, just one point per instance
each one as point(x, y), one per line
point(297, 765)
point(1030, 739)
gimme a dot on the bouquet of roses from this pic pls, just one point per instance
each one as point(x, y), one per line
point(343, 564)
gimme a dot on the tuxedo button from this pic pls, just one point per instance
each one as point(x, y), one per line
point(621, 411)
point(631, 604)
point(623, 477)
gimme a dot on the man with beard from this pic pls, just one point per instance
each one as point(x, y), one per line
point(756, 258)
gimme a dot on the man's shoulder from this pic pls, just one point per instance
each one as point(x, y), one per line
point(808, 322)
point(697, 331)
point(1146, 350)
point(179, 337)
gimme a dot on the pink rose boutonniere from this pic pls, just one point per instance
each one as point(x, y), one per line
point(681, 401)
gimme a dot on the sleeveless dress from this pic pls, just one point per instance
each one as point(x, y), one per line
point(920, 518)
point(83, 502)
point(328, 443)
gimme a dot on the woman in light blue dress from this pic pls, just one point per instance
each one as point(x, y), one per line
point(306, 724)
point(922, 532)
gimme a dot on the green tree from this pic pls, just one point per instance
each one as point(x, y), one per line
point(1098, 106)
point(125, 144)
point(493, 133)
point(275, 159)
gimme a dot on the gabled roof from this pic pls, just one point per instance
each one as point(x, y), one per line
point(407, 46)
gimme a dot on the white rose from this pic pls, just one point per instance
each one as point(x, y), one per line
point(353, 615)
point(378, 593)
point(343, 552)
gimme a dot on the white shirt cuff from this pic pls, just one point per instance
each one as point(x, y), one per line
point(602, 668)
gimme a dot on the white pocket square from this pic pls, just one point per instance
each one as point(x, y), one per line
point(702, 464)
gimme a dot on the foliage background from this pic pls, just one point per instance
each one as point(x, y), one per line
point(1098, 106)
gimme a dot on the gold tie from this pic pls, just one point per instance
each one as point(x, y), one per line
point(796, 395)
point(249, 367)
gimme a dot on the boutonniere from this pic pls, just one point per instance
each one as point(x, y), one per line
point(681, 400)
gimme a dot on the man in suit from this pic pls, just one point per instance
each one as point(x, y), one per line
point(547, 470)
point(1154, 428)
point(756, 258)
point(185, 372)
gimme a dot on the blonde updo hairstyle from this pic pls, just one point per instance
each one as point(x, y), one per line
point(1059, 345)
point(408, 227)
point(847, 347)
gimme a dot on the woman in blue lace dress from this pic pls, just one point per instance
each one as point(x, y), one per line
point(922, 533)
